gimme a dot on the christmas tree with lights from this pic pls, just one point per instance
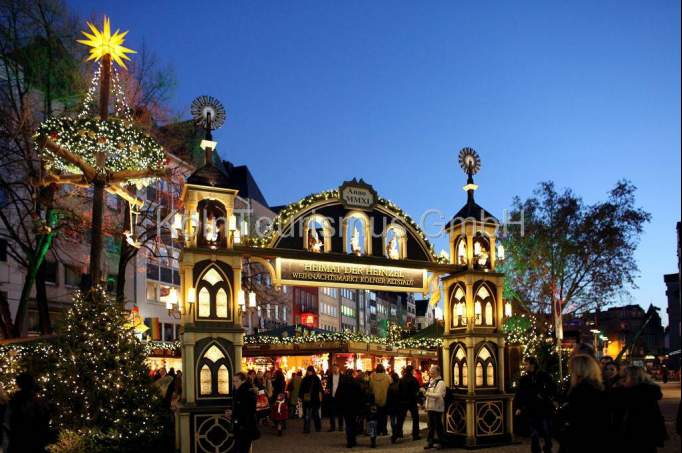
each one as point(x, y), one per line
point(100, 383)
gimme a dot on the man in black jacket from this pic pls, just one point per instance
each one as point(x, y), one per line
point(350, 399)
point(408, 392)
point(534, 399)
point(244, 413)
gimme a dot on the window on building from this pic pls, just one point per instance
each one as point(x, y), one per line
point(72, 276)
point(168, 334)
point(50, 268)
point(3, 250)
point(151, 292)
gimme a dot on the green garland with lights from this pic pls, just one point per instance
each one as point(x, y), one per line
point(289, 212)
point(126, 148)
point(341, 337)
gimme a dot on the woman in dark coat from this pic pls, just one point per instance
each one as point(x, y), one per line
point(584, 414)
point(279, 384)
point(643, 428)
point(311, 394)
point(244, 413)
point(350, 403)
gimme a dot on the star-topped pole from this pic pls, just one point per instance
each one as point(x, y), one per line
point(104, 153)
point(103, 43)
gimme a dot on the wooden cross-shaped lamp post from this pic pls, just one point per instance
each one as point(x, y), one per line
point(108, 48)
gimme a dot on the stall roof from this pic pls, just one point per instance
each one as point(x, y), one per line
point(435, 330)
point(288, 331)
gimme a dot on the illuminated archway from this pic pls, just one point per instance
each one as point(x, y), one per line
point(357, 237)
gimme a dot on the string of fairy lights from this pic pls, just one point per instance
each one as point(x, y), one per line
point(126, 148)
point(292, 210)
point(342, 337)
point(95, 373)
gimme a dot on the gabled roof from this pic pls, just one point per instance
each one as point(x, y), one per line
point(471, 210)
point(240, 178)
point(209, 175)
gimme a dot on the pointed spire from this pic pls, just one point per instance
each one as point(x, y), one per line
point(470, 189)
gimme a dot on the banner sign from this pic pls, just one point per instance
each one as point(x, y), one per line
point(341, 275)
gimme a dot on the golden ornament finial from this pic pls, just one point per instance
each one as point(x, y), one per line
point(104, 43)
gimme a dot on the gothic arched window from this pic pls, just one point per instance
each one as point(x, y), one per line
point(458, 306)
point(485, 367)
point(459, 367)
point(213, 295)
point(481, 251)
point(213, 373)
point(484, 305)
point(461, 251)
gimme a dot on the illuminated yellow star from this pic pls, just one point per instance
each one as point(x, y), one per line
point(104, 43)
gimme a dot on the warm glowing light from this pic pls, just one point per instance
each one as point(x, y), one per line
point(104, 43)
point(252, 299)
point(191, 297)
point(241, 299)
point(508, 309)
point(500, 252)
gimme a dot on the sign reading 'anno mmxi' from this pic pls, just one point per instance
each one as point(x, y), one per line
point(358, 195)
point(343, 275)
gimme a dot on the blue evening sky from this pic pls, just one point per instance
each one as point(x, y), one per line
point(582, 93)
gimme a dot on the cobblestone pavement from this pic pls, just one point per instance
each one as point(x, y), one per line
point(294, 441)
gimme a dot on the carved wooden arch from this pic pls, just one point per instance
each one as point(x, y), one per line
point(367, 233)
point(401, 233)
point(221, 224)
point(286, 223)
point(326, 231)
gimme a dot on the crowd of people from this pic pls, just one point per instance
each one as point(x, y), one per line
point(601, 406)
point(604, 406)
point(355, 401)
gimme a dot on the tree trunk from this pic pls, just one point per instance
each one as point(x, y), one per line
point(41, 302)
point(126, 254)
point(96, 233)
point(99, 182)
point(6, 326)
point(43, 243)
